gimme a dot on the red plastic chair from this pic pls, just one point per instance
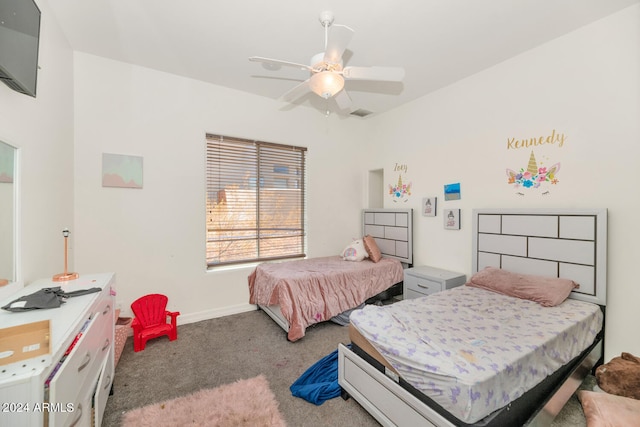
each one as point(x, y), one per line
point(151, 320)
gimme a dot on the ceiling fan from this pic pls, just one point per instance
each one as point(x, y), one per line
point(327, 74)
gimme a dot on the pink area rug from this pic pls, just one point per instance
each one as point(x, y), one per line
point(247, 402)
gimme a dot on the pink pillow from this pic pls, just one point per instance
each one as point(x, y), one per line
point(603, 409)
point(372, 248)
point(547, 291)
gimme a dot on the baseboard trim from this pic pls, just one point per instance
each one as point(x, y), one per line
point(184, 319)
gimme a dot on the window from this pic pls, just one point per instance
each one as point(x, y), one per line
point(255, 201)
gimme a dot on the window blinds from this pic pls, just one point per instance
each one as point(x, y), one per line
point(255, 201)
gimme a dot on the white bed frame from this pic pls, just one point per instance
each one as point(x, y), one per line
point(567, 243)
point(393, 231)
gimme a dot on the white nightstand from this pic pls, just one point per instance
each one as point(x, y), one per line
point(424, 280)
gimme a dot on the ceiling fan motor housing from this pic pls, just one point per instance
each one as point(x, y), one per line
point(326, 18)
point(318, 63)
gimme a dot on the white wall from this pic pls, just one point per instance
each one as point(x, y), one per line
point(585, 85)
point(42, 129)
point(154, 237)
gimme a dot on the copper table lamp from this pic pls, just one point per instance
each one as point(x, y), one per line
point(66, 276)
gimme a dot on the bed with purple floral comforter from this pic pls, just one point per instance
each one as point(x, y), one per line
point(473, 351)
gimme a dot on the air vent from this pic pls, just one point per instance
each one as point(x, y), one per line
point(9, 81)
point(361, 112)
point(12, 84)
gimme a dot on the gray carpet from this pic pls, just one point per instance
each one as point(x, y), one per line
point(220, 351)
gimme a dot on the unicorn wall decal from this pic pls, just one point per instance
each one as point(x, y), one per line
point(401, 191)
point(533, 176)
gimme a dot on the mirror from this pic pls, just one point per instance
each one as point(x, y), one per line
point(8, 215)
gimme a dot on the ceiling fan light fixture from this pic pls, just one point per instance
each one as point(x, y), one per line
point(326, 83)
point(327, 73)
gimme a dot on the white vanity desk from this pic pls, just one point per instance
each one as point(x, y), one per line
point(79, 388)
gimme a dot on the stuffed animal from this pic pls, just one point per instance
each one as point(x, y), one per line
point(621, 376)
point(355, 251)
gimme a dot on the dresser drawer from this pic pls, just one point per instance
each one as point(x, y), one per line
point(422, 285)
point(78, 372)
point(106, 330)
point(424, 280)
point(80, 417)
point(410, 294)
point(104, 387)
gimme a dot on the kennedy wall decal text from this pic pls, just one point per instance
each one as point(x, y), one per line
point(540, 173)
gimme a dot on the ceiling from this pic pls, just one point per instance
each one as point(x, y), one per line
point(437, 42)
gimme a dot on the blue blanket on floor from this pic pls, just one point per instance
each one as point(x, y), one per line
point(319, 383)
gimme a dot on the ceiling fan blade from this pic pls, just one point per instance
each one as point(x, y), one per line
point(339, 38)
point(387, 74)
point(276, 63)
point(297, 91)
point(343, 100)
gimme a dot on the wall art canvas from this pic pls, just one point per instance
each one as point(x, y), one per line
point(429, 206)
point(122, 171)
point(451, 219)
point(452, 191)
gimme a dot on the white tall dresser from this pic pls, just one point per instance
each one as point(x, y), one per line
point(68, 385)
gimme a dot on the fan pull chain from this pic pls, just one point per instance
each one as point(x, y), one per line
point(327, 120)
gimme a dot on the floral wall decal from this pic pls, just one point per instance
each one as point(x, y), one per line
point(541, 173)
point(400, 191)
point(533, 177)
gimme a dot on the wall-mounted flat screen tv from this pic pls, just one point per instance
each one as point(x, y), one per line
point(19, 40)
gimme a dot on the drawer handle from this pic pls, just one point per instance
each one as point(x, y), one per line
point(73, 424)
point(423, 286)
point(87, 358)
point(107, 383)
point(106, 344)
point(107, 309)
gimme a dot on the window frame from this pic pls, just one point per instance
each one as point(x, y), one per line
point(243, 169)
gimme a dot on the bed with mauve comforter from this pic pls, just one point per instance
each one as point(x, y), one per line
point(314, 290)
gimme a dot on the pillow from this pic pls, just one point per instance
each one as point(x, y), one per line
point(603, 409)
point(547, 291)
point(372, 248)
point(355, 251)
